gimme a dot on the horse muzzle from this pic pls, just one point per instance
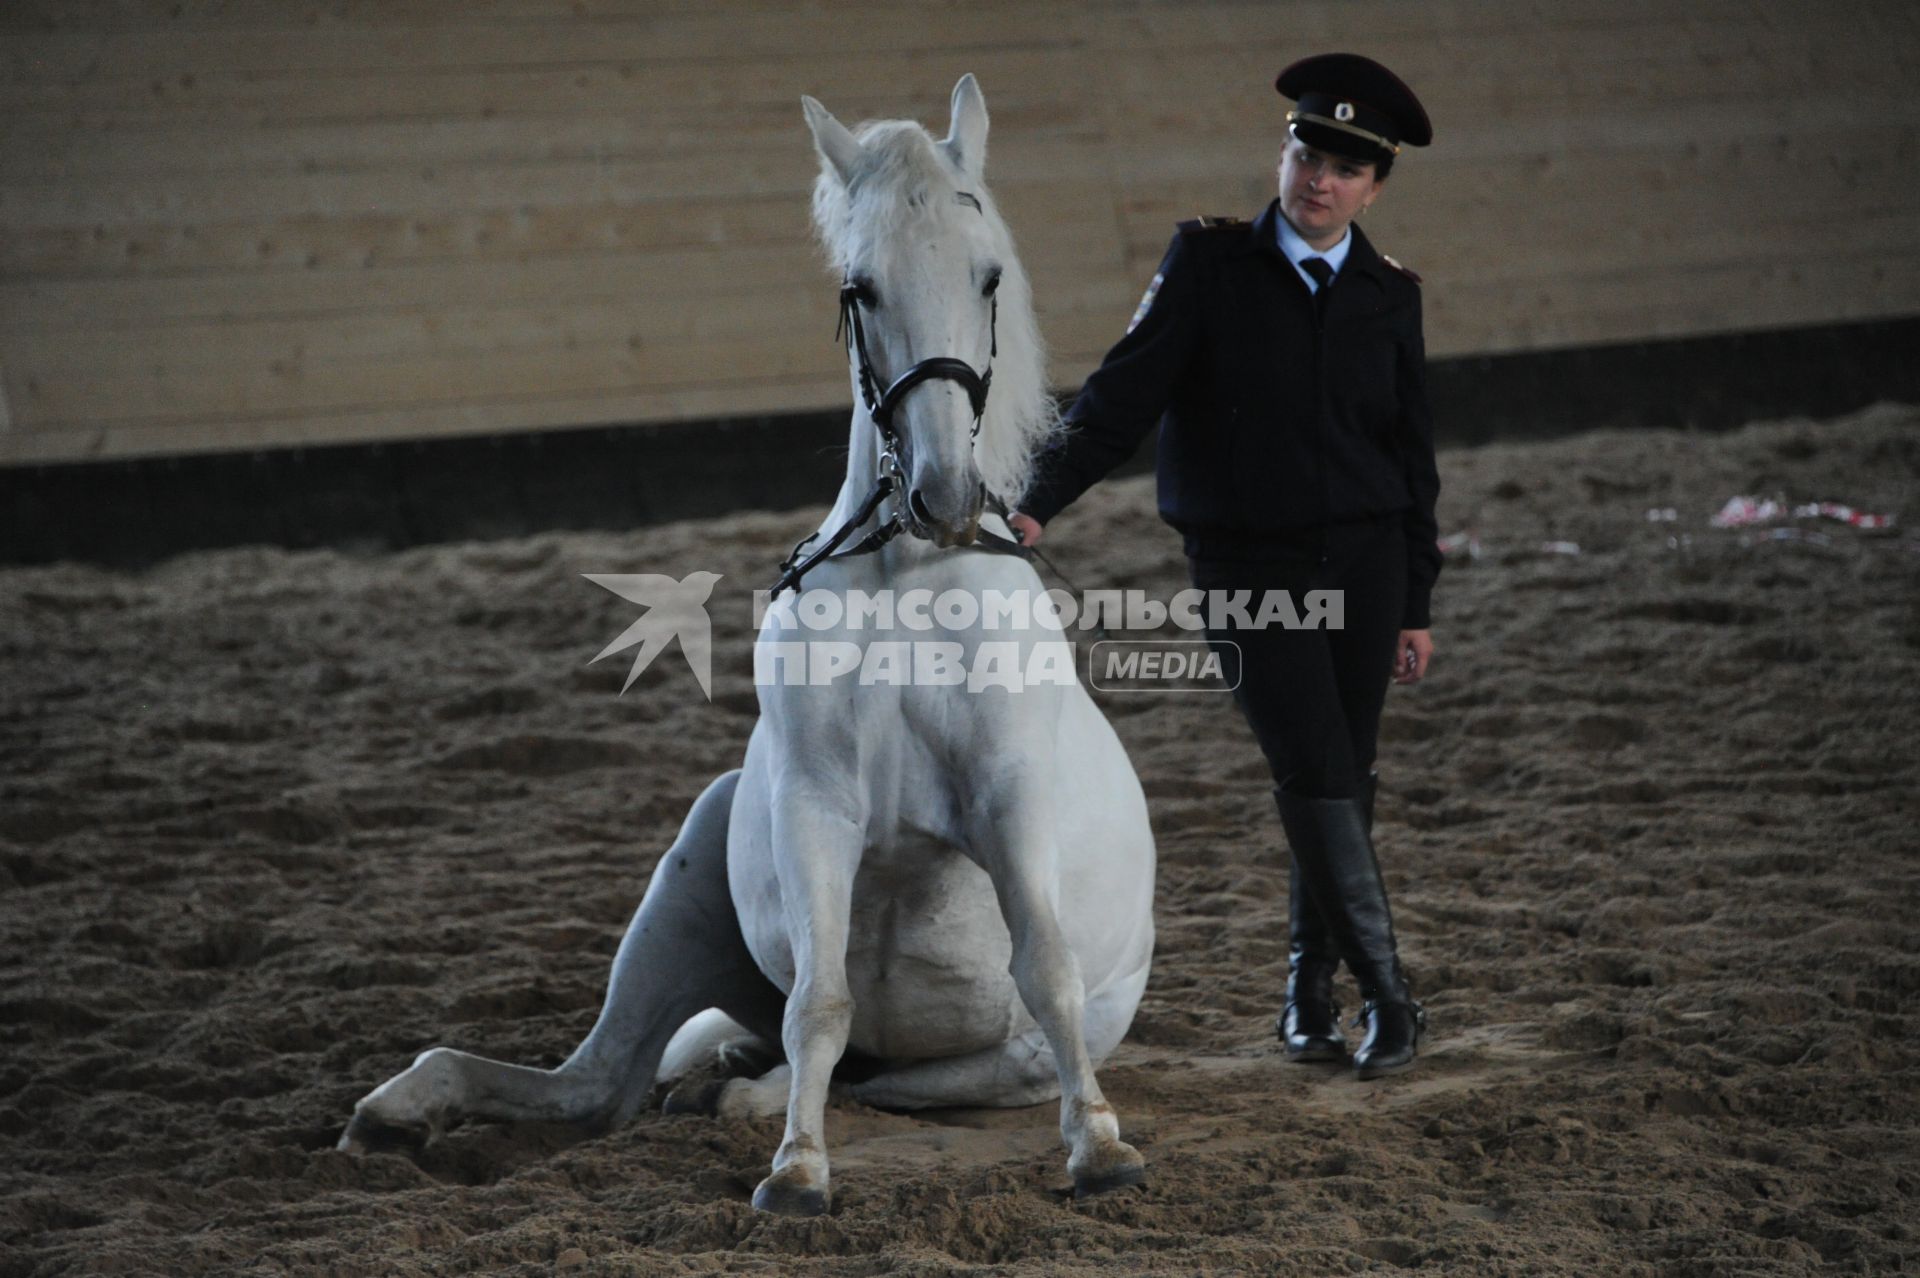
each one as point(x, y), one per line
point(946, 519)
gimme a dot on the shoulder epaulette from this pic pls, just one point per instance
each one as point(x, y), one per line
point(1214, 224)
point(1412, 275)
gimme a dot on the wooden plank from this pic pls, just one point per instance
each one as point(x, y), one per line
point(1627, 174)
point(1622, 311)
point(1446, 261)
point(1561, 147)
point(52, 147)
point(674, 276)
point(169, 374)
point(161, 374)
point(218, 341)
point(1350, 15)
point(1227, 21)
point(1194, 94)
point(226, 15)
point(1493, 313)
point(201, 394)
point(55, 57)
point(1641, 305)
point(786, 168)
point(1078, 345)
point(53, 354)
point(1675, 188)
point(1504, 28)
point(1176, 93)
point(250, 220)
point(1062, 211)
point(612, 405)
point(319, 242)
point(424, 333)
point(136, 385)
point(891, 84)
point(1647, 65)
point(669, 277)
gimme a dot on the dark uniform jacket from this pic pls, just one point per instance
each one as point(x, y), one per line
point(1272, 429)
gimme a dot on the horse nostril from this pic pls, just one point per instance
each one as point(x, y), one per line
point(918, 505)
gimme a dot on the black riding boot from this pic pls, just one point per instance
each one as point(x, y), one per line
point(1310, 1023)
point(1333, 851)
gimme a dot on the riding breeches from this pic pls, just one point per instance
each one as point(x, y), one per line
point(1313, 696)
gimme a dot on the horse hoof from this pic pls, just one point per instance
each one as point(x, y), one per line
point(1121, 1178)
point(698, 1098)
point(367, 1135)
point(789, 1200)
point(746, 1059)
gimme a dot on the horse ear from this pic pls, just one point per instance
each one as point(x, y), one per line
point(966, 143)
point(837, 146)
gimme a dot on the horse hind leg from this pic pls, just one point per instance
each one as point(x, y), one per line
point(682, 954)
point(705, 1055)
point(1020, 1071)
point(1015, 1073)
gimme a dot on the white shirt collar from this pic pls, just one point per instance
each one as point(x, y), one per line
point(1298, 250)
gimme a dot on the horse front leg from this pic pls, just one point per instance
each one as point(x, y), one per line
point(816, 850)
point(1013, 834)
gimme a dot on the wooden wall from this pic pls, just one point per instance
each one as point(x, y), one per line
point(241, 223)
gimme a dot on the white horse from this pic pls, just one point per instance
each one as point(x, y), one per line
point(956, 883)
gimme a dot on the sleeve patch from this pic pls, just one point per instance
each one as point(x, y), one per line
point(1146, 303)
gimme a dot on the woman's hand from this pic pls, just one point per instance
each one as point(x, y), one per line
point(1411, 655)
point(1025, 527)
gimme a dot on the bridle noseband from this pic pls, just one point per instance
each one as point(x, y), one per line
point(881, 406)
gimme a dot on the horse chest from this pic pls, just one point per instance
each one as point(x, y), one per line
point(927, 953)
point(927, 949)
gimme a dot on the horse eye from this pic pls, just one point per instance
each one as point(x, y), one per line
point(992, 285)
point(862, 292)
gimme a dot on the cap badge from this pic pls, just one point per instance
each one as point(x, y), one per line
point(1343, 112)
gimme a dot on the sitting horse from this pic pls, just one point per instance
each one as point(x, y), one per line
point(954, 881)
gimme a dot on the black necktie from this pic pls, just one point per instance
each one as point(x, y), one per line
point(1322, 276)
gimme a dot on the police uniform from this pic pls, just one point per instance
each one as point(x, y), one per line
point(1296, 454)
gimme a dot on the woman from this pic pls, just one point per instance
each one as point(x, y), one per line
point(1296, 454)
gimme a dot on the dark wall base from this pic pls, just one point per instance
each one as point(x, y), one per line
point(1697, 383)
point(383, 496)
point(391, 495)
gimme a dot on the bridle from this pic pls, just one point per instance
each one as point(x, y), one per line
point(881, 406)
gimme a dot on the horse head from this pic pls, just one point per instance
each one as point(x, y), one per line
point(937, 311)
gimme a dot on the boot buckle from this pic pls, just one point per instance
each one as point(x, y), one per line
point(1366, 1012)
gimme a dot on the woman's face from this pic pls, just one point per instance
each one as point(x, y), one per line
point(1320, 193)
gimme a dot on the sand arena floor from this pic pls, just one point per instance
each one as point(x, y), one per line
point(272, 823)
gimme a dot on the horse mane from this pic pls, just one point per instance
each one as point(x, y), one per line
point(905, 177)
